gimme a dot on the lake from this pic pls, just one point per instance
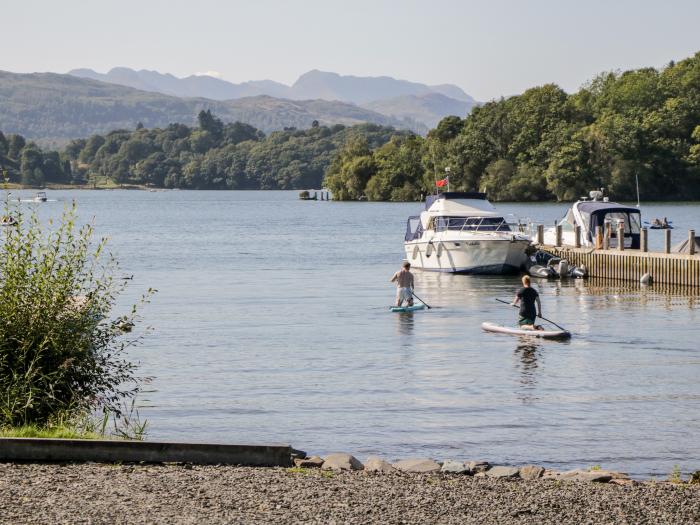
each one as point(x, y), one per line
point(271, 324)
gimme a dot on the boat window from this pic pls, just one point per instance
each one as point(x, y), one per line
point(630, 220)
point(414, 228)
point(471, 224)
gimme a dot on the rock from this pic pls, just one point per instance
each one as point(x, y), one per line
point(598, 476)
point(531, 472)
point(479, 466)
point(695, 477)
point(550, 474)
point(312, 462)
point(455, 467)
point(503, 472)
point(376, 464)
point(418, 466)
point(623, 482)
point(340, 461)
point(481, 474)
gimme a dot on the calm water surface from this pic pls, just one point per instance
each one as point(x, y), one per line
point(271, 325)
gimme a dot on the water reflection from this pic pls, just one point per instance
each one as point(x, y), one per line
point(527, 353)
point(405, 323)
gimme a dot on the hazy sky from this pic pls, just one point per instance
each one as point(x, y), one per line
point(489, 48)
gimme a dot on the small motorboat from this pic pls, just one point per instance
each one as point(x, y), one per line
point(544, 334)
point(660, 224)
point(403, 309)
point(40, 196)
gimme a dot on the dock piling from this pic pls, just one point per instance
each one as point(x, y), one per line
point(644, 240)
point(667, 241)
point(606, 237)
point(691, 242)
point(621, 237)
point(558, 239)
point(577, 236)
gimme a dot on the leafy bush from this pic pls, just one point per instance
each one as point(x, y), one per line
point(61, 356)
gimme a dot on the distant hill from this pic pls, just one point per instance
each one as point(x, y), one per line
point(54, 108)
point(429, 108)
point(312, 85)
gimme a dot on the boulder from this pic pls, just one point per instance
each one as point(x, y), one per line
point(376, 464)
point(312, 462)
point(340, 461)
point(531, 472)
point(550, 474)
point(450, 466)
point(418, 465)
point(598, 476)
point(479, 466)
point(503, 472)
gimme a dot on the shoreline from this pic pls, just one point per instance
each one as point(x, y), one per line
point(108, 493)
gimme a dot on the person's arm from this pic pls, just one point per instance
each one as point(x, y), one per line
point(412, 284)
point(539, 306)
point(516, 299)
point(396, 276)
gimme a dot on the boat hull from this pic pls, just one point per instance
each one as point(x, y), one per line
point(490, 256)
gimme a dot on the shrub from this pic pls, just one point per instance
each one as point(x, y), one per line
point(61, 355)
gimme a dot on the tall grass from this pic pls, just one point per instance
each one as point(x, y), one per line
point(62, 354)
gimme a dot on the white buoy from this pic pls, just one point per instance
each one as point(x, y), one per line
point(646, 279)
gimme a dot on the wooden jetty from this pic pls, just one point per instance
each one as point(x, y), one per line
point(681, 269)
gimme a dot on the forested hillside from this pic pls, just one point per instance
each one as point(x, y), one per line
point(213, 155)
point(546, 144)
point(53, 109)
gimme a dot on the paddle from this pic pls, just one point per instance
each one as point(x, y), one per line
point(543, 318)
point(421, 300)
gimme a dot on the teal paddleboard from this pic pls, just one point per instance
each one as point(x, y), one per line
point(407, 308)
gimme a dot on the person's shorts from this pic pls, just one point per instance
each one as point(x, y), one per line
point(404, 294)
point(525, 321)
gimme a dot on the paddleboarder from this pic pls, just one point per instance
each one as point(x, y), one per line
point(404, 285)
point(528, 297)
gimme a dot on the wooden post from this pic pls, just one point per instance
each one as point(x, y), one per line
point(598, 237)
point(606, 237)
point(644, 240)
point(558, 239)
point(620, 237)
point(667, 241)
point(691, 242)
point(540, 234)
point(577, 236)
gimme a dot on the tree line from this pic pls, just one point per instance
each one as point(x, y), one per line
point(213, 155)
point(546, 144)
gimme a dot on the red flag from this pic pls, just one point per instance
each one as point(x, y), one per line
point(441, 183)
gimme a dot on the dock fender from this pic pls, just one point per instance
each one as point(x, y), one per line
point(429, 249)
point(439, 249)
point(415, 252)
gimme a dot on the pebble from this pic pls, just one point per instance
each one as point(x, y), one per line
point(169, 494)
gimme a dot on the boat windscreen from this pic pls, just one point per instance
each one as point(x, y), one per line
point(414, 228)
point(481, 224)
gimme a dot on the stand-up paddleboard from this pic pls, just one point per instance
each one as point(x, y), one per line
point(545, 334)
point(407, 308)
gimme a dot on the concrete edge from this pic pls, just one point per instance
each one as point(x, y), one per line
point(111, 451)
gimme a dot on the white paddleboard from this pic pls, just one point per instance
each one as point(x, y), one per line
point(545, 334)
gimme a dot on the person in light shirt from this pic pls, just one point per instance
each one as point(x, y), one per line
point(404, 285)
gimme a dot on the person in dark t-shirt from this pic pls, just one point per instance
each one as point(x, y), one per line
point(528, 297)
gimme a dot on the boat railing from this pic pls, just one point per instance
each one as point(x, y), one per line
point(476, 225)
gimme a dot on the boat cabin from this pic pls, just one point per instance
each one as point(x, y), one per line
point(591, 214)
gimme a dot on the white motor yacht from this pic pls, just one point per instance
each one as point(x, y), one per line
point(598, 211)
point(461, 232)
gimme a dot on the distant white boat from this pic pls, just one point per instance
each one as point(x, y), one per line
point(461, 232)
point(40, 197)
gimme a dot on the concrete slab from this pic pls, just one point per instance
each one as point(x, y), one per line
point(111, 451)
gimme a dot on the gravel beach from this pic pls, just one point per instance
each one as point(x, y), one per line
point(99, 493)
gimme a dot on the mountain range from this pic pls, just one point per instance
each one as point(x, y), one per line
point(400, 99)
point(53, 108)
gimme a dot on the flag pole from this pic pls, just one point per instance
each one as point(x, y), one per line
point(447, 176)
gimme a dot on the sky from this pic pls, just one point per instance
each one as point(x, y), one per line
point(490, 48)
